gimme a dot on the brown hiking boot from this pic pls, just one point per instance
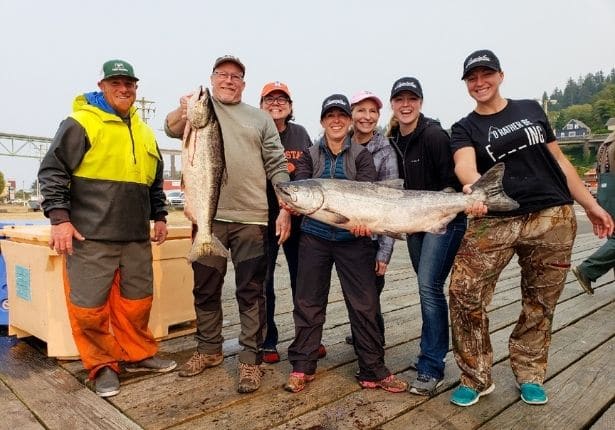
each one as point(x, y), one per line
point(249, 377)
point(199, 362)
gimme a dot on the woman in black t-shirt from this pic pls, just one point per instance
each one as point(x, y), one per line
point(541, 231)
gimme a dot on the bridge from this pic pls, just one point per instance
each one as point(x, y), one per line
point(25, 146)
point(591, 139)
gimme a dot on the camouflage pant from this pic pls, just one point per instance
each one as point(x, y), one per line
point(543, 242)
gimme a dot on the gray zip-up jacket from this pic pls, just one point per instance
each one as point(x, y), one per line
point(385, 161)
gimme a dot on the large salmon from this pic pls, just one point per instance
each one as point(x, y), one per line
point(203, 170)
point(388, 210)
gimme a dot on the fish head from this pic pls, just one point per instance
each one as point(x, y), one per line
point(199, 108)
point(305, 196)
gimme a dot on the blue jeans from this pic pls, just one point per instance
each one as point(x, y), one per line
point(432, 257)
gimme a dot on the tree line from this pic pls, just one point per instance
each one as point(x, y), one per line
point(590, 99)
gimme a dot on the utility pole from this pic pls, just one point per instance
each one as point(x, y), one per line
point(146, 107)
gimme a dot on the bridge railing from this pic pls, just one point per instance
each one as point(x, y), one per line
point(591, 138)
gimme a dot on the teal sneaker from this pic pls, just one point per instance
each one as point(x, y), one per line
point(533, 394)
point(466, 396)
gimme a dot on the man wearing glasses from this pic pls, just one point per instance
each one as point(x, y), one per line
point(253, 154)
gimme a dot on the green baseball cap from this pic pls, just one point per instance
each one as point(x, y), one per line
point(113, 68)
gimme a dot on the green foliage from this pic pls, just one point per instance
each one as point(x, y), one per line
point(2, 182)
point(584, 112)
point(560, 122)
point(582, 90)
point(590, 99)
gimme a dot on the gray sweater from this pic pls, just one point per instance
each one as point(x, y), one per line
point(253, 154)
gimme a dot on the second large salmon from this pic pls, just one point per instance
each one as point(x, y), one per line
point(203, 171)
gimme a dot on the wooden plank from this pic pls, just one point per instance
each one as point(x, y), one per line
point(606, 421)
point(405, 329)
point(13, 413)
point(271, 405)
point(53, 395)
point(364, 415)
point(210, 400)
point(339, 354)
point(566, 348)
point(576, 396)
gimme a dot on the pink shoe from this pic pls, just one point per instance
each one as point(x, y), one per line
point(296, 381)
point(391, 383)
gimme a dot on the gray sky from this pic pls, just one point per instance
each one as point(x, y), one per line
point(50, 51)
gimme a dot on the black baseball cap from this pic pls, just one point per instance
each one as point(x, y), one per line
point(339, 101)
point(480, 58)
point(407, 84)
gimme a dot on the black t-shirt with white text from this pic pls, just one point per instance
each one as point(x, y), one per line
point(516, 136)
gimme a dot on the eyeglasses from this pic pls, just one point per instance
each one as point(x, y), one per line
point(281, 100)
point(225, 75)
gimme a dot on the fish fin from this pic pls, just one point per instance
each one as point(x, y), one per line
point(491, 184)
point(395, 235)
point(392, 183)
point(337, 217)
point(440, 228)
point(201, 249)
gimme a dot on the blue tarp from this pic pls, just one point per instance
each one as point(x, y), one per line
point(4, 303)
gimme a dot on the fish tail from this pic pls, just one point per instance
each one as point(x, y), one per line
point(200, 248)
point(491, 184)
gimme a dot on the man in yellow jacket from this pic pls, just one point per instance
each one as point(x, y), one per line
point(102, 184)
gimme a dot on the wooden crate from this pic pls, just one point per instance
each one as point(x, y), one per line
point(36, 291)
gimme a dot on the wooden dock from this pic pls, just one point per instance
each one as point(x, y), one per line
point(37, 392)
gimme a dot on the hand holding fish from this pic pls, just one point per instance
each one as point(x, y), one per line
point(288, 208)
point(361, 230)
point(478, 208)
point(183, 105)
point(176, 120)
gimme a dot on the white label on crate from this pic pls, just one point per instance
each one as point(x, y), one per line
point(22, 281)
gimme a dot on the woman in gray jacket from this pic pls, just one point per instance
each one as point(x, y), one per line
point(365, 107)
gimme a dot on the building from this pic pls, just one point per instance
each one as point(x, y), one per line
point(10, 185)
point(171, 184)
point(574, 128)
